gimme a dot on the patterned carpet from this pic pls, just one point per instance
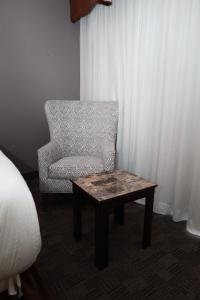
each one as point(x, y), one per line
point(169, 269)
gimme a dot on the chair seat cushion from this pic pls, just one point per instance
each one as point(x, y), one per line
point(75, 166)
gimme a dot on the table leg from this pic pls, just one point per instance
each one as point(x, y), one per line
point(77, 214)
point(101, 236)
point(119, 215)
point(148, 219)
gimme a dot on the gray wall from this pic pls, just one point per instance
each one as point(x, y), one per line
point(39, 60)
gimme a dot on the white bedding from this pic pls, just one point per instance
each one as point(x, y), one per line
point(20, 239)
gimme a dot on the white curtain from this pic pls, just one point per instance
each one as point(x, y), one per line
point(146, 55)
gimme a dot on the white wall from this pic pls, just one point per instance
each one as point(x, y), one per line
point(39, 60)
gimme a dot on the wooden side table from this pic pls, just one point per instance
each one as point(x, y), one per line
point(111, 190)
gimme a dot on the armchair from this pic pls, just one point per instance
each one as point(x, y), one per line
point(82, 142)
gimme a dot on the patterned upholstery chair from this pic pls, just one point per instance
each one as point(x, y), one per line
point(82, 142)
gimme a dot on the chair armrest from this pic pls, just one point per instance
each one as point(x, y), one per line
point(108, 155)
point(47, 155)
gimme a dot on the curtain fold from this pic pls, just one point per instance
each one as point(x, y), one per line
point(145, 54)
point(80, 8)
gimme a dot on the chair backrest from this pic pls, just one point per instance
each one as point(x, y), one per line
point(82, 127)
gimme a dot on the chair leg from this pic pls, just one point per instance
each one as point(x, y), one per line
point(44, 197)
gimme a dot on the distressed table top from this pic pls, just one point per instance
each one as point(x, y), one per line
point(107, 185)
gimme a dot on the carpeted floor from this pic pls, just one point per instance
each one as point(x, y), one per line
point(169, 269)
